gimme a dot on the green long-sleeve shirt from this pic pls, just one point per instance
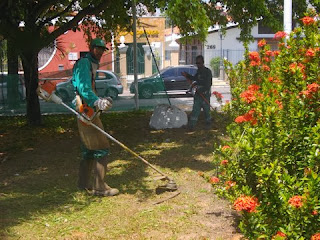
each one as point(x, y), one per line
point(83, 77)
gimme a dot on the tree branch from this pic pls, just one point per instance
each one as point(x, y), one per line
point(89, 10)
point(48, 20)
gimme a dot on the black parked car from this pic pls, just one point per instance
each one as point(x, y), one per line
point(171, 80)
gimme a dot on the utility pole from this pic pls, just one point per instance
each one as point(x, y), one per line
point(135, 65)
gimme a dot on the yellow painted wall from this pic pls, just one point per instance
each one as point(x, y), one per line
point(154, 26)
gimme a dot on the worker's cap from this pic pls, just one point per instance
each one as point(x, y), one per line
point(98, 42)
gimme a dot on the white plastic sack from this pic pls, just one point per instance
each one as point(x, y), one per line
point(168, 116)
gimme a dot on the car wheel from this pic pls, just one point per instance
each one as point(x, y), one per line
point(63, 95)
point(146, 92)
point(111, 92)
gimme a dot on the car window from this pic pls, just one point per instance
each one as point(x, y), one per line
point(100, 76)
point(168, 73)
point(103, 76)
point(180, 70)
point(192, 71)
point(108, 75)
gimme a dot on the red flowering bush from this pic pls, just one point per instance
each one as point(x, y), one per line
point(273, 149)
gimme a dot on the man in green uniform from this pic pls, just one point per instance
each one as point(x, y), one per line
point(201, 85)
point(95, 145)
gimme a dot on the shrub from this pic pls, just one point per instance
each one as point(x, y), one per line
point(270, 169)
point(215, 66)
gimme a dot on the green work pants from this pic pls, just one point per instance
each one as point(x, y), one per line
point(199, 103)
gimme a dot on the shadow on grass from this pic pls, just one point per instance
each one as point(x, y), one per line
point(40, 175)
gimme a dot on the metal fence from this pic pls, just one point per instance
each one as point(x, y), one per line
point(233, 56)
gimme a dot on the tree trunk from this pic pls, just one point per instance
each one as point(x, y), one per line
point(30, 67)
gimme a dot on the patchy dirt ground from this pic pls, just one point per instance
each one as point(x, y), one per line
point(48, 168)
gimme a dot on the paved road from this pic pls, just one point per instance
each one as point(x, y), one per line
point(126, 102)
point(179, 99)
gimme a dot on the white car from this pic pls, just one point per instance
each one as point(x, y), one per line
point(107, 85)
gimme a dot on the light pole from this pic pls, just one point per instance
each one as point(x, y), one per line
point(287, 16)
point(135, 63)
point(222, 12)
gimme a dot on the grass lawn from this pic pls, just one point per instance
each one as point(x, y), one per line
point(39, 169)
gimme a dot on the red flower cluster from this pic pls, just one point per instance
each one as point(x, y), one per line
point(218, 95)
point(279, 35)
point(250, 95)
point(312, 88)
point(224, 162)
point(308, 20)
point(230, 184)
point(316, 236)
point(269, 53)
point(267, 59)
point(253, 87)
point(214, 180)
point(294, 67)
point(262, 43)
point(247, 117)
point(255, 58)
point(246, 203)
point(224, 148)
point(279, 103)
point(310, 52)
point(296, 201)
point(277, 80)
point(266, 68)
point(280, 235)
point(254, 63)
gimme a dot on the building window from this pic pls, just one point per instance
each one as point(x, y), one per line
point(194, 54)
point(168, 23)
point(264, 29)
point(83, 54)
point(60, 67)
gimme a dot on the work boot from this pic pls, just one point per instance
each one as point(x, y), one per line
point(191, 127)
point(101, 188)
point(85, 170)
point(107, 192)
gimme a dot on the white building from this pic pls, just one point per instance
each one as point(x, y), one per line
point(229, 47)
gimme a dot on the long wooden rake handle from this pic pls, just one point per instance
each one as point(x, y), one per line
point(204, 98)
